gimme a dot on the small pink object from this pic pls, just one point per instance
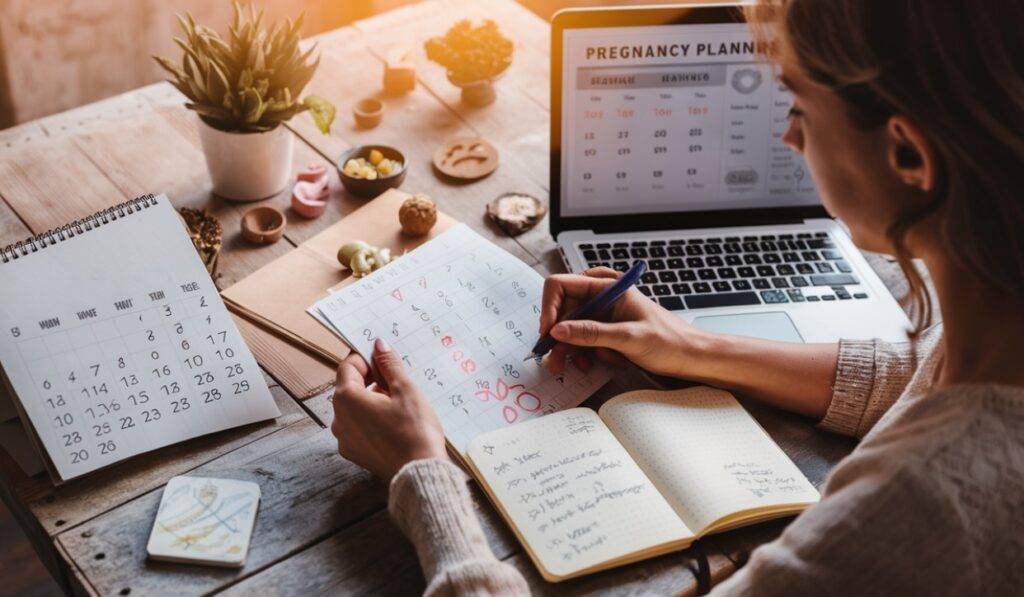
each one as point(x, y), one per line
point(309, 199)
point(312, 173)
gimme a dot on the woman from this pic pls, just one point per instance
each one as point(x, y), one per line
point(910, 114)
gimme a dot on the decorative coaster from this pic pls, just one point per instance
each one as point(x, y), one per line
point(204, 521)
point(468, 158)
point(515, 213)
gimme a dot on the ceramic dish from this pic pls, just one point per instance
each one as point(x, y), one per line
point(365, 187)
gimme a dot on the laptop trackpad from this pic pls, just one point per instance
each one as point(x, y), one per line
point(770, 326)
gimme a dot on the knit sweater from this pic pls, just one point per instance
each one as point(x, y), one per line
point(928, 503)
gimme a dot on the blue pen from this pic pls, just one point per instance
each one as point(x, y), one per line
point(594, 306)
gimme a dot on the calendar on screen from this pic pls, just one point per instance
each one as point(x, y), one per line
point(463, 314)
point(114, 340)
point(674, 118)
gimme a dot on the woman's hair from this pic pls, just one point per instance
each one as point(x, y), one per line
point(956, 69)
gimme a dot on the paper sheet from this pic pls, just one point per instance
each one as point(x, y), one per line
point(463, 314)
point(116, 343)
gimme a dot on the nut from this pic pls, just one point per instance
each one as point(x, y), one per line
point(362, 258)
point(417, 215)
point(349, 249)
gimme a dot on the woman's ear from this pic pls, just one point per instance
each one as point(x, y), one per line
point(910, 154)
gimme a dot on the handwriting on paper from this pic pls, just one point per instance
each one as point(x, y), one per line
point(462, 313)
point(762, 480)
point(572, 488)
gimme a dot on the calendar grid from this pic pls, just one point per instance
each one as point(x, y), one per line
point(462, 316)
point(127, 346)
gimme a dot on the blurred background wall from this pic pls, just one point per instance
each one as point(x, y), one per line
point(59, 54)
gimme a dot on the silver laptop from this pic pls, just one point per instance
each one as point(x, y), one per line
point(666, 146)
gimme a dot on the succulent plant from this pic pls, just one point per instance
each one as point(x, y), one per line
point(250, 83)
point(471, 53)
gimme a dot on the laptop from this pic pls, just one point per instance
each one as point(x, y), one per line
point(666, 146)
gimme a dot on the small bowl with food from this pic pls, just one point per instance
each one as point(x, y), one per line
point(369, 170)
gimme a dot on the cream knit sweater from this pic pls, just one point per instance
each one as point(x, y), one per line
point(930, 502)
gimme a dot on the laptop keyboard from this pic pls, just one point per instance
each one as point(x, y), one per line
point(731, 271)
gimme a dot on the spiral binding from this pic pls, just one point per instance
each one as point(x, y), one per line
point(72, 229)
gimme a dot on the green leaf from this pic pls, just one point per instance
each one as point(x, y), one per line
point(323, 112)
point(252, 106)
point(170, 67)
point(245, 79)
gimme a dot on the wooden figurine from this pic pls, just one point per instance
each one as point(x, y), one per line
point(400, 70)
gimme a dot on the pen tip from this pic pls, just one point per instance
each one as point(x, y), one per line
point(530, 357)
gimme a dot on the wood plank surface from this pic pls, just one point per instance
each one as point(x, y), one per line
point(415, 123)
point(369, 557)
point(308, 492)
point(67, 505)
point(516, 124)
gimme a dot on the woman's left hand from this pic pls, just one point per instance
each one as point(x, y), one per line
point(383, 428)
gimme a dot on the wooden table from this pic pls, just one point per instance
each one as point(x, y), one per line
point(322, 525)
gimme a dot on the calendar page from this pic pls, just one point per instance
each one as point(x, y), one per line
point(115, 341)
point(674, 118)
point(463, 314)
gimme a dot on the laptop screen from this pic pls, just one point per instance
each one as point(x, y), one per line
point(673, 118)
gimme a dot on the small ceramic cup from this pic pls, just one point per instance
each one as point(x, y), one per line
point(368, 112)
point(263, 225)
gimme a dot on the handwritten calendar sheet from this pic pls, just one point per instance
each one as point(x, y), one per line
point(463, 314)
point(116, 342)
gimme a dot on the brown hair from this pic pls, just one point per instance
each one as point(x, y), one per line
point(955, 68)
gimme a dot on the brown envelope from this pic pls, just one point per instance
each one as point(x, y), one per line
point(296, 349)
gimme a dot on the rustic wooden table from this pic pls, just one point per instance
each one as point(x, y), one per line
point(322, 524)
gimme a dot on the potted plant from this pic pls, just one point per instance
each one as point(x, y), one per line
point(242, 90)
point(474, 56)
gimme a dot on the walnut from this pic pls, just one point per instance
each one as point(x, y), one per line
point(418, 215)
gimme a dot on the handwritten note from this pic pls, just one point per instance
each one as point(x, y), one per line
point(706, 454)
point(463, 314)
point(577, 497)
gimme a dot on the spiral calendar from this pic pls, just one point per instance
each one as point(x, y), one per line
point(114, 340)
point(463, 313)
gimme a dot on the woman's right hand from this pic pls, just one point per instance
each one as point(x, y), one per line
point(636, 328)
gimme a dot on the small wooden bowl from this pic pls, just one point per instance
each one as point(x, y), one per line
point(368, 112)
point(371, 188)
point(263, 225)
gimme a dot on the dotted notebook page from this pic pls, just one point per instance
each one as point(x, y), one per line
point(705, 453)
point(116, 342)
point(463, 314)
point(572, 491)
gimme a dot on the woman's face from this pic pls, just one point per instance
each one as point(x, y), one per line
point(850, 166)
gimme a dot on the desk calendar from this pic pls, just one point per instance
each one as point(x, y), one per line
point(463, 314)
point(115, 342)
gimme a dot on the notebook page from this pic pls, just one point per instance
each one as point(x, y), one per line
point(705, 453)
point(463, 314)
point(573, 492)
point(116, 342)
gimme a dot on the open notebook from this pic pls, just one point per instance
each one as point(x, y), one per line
point(646, 475)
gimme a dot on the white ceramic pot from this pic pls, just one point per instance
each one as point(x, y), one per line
point(247, 166)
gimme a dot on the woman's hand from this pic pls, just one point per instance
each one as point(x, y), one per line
point(794, 376)
point(384, 427)
point(636, 328)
